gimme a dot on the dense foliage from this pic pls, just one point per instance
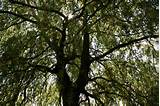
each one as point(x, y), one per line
point(78, 52)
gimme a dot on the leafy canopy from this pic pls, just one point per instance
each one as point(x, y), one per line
point(35, 34)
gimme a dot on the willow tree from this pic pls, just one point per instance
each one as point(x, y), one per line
point(78, 52)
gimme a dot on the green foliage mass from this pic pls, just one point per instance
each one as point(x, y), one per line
point(37, 36)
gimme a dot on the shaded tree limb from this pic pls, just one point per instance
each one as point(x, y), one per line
point(93, 96)
point(102, 78)
point(85, 64)
point(42, 68)
point(124, 86)
point(82, 9)
point(24, 19)
point(38, 8)
point(36, 56)
point(18, 15)
point(99, 8)
point(121, 46)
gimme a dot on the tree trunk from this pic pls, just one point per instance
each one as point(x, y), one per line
point(70, 97)
point(71, 93)
point(68, 91)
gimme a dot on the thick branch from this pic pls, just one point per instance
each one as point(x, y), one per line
point(121, 46)
point(38, 8)
point(65, 24)
point(85, 59)
point(42, 68)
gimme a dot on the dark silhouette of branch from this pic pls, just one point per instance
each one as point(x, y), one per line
point(85, 64)
point(102, 78)
point(38, 8)
point(98, 9)
point(93, 96)
point(41, 53)
point(124, 86)
point(24, 19)
point(121, 46)
point(41, 68)
point(18, 15)
point(82, 9)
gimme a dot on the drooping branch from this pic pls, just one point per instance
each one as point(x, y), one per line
point(121, 46)
point(102, 78)
point(38, 8)
point(24, 19)
point(41, 68)
point(5, 28)
point(41, 53)
point(18, 15)
point(126, 87)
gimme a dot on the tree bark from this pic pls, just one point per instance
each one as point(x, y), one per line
point(68, 91)
point(70, 96)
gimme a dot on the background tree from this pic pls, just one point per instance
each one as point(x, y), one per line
point(78, 52)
